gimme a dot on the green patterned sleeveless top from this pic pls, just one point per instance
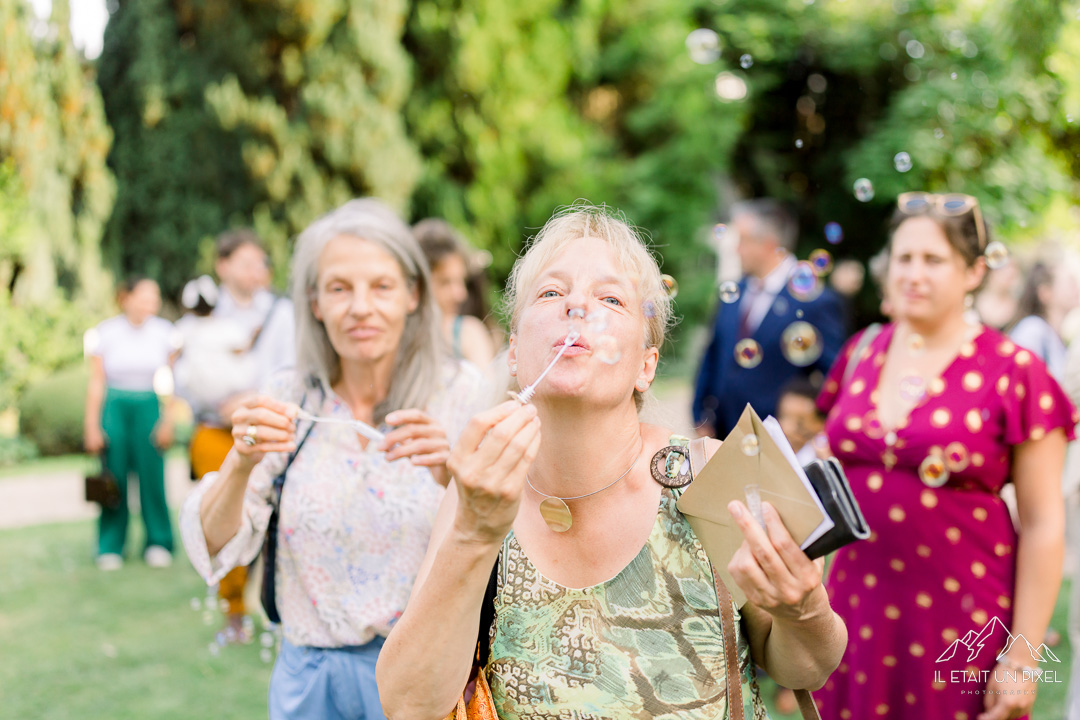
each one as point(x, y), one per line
point(646, 644)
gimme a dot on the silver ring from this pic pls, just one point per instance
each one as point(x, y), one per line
point(249, 436)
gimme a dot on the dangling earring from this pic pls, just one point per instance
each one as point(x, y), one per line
point(513, 369)
point(640, 384)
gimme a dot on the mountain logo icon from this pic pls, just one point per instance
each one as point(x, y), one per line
point(974, 643)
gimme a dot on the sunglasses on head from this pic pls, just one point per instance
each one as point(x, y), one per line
point(947, 205)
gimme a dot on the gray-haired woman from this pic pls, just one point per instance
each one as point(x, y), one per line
point(355, 514)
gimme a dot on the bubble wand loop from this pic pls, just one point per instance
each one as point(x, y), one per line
point(526, 395)
point(359, 426)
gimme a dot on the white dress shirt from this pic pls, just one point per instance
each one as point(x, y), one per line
point(761, 293)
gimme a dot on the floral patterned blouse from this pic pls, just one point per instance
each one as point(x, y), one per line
point(353, 527)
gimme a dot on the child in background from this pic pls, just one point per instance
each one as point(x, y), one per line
point(799, 418)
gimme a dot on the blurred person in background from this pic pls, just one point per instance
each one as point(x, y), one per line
point(997, 302)
point(448, 257)
point(244, 300)
point(1050, 292)
point(756, 323)
point(124, 423)
point(355, 514)
point(931, 416)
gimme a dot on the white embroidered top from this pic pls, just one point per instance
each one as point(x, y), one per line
point(353, 527)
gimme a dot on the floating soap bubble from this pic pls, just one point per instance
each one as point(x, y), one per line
point(266, 639)
point(912, 388)
point(730, 87)
point(703, 45)
point(956, 457)
point(915, 49)
point(932, 471)
point(606, 350)
point(864, 190)
point(671, 286)
point(748, 353)
point(596, 322)
point(902, 162)
point(939, 133)
point(220, 639)
point(266, 655)
point(750, 445)
point(799, 314)
point(821, 261)
point(799, 143)
point(719, 231)
point(997, 255)
point(208, 617)
point(804, 284)
point(215, 649)
point(801, 343)
point(196, 604)
point(729, 291)
point(834, 234)
point(746, 61)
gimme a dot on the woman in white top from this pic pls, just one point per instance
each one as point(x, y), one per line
point(1049, 294)
point(123, 421)
point(355, 514)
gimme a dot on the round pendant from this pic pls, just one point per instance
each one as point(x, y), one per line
point(671, 466)
point(556, 514)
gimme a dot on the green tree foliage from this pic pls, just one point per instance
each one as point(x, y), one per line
point(55, 196)
point(266, 114)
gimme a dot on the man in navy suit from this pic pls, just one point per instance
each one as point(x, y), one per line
point(755, 324)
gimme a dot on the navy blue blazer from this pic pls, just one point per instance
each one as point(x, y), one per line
point(724, 387)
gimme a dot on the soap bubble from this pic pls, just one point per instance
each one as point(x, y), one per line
point(703, 45)
point(799, 143)
point(748, 353)
point(801, 343)
point(266, 639)
point(207, 617)
point(196, 604)
point(799, 313)
point(597, 321)
point(915, 49)
point(719, 231)
point(933, 472)
point(606, 350)
point(864, 190)
point(671, 286)
point(939, 133)
point(266, 655)
point(215, 649)
point(730, 87)
point(912, 388)
point(750, 445)
point(220, 639)
point(834, 233)
point(821, 261)
point(804, 283)
point(729, 291)
point(746, 61)
point(997, 255)
point(956, 457)
point(902, 162)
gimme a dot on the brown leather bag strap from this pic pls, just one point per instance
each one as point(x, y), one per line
point(731, 651)
point(698, 458)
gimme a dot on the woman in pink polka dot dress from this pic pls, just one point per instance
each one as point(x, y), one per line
point(931, 419)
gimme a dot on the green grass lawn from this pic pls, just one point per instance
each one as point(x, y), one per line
point(76, 643)
point(81, 644)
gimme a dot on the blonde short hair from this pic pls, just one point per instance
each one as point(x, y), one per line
point(632, 254)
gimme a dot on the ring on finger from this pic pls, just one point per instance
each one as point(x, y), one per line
point(250, 436)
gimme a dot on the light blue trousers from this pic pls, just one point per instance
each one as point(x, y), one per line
point(326, 683)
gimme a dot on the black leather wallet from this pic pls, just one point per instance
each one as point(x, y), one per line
point(849, 525)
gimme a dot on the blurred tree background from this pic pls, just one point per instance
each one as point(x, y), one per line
point(493, 113)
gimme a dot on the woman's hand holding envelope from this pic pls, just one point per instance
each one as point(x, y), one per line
point(772, 571)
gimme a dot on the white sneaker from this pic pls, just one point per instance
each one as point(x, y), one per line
point(157, 557)
point(109, 562)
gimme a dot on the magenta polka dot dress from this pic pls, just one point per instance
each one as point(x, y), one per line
point(934, 582)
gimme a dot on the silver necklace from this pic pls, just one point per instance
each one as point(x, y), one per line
point(555, 511)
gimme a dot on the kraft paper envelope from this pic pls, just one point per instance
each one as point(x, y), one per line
point(723, 479)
